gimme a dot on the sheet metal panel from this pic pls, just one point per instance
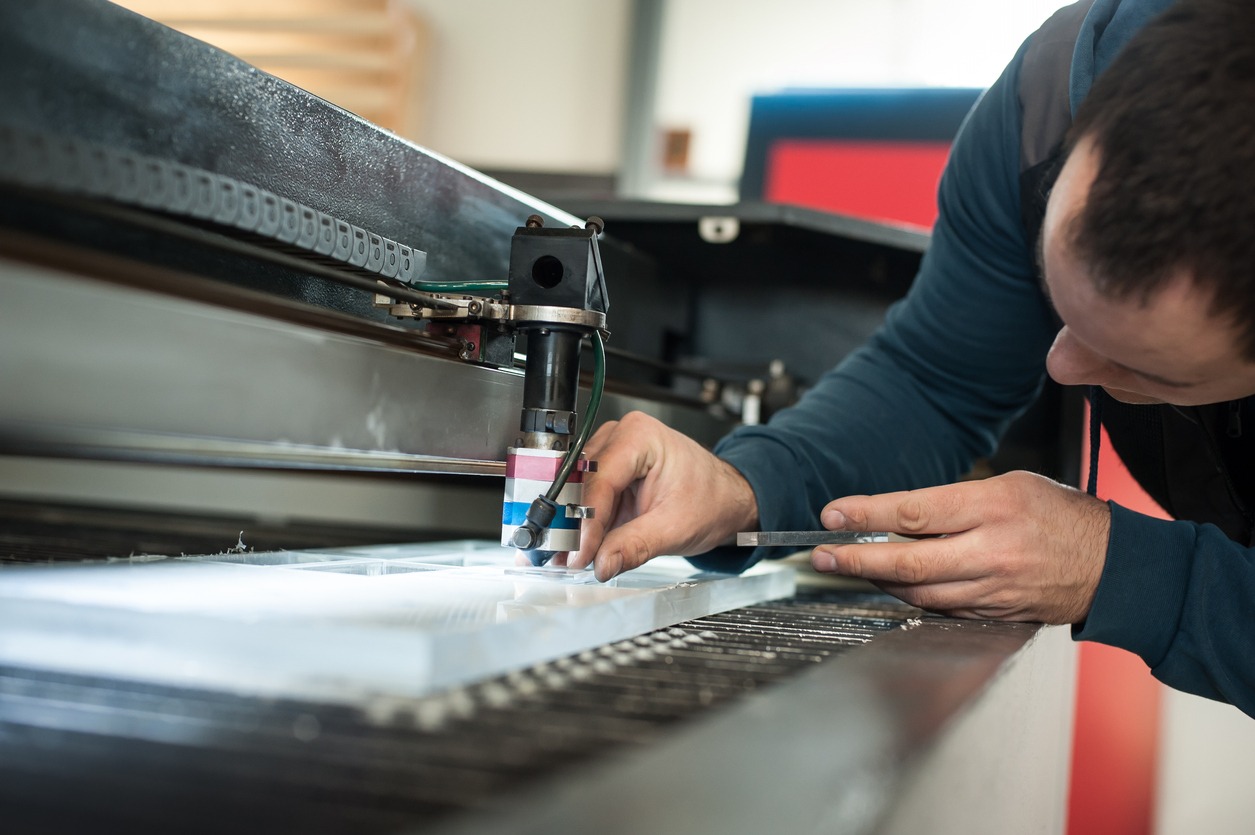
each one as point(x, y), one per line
point(96, 370)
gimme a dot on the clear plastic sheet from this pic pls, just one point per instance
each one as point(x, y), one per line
point(348, 626)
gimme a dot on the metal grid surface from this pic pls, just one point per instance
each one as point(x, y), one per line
point(145, 757)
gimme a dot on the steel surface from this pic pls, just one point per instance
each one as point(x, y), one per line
point(92, 369)
point(830, 752)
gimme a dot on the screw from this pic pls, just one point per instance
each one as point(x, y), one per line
point(535, 221)
point(596, 224)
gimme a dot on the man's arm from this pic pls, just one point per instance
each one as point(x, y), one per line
point(952, 365)
point(1179, 595)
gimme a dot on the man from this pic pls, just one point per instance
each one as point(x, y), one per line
point(1136, 277)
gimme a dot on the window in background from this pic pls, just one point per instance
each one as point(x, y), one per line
point(366, 56)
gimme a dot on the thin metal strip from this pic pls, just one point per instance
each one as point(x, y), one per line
point(810, 539)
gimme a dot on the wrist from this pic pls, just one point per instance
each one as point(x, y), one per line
point(738, 503)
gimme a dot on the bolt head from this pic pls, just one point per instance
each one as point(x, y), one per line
point(522, 539)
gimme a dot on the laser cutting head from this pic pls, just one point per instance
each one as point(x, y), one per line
point(556, 278)
point(555, 298)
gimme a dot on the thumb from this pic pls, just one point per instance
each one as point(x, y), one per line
point(629, 546)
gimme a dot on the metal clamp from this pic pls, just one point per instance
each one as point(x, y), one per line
point(460, 308)
point(540, 314)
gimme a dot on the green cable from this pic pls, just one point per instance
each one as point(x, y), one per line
point(461, 286)
point(590, 417)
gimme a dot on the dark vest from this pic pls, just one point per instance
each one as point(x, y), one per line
point(1195, 461)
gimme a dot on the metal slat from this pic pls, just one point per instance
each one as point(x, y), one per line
point(434, 756)
point(159, 751)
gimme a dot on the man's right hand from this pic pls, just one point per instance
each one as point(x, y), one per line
point(656, 492)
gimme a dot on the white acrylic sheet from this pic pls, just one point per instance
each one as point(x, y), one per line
point(346, 626)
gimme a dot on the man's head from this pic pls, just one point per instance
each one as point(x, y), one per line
point(1148, 245)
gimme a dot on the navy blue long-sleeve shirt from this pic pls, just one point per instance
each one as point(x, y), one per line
point(961, 356)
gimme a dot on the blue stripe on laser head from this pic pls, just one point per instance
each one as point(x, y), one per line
point(515, 513)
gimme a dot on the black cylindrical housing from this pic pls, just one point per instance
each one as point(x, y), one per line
point(551, 380)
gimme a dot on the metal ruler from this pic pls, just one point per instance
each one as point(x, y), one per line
point(809, 539)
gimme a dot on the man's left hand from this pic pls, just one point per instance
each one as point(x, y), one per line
point(1014, 547)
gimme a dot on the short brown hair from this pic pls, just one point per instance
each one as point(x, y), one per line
point(1173, 122)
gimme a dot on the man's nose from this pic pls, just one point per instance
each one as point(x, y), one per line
point(1070, 363)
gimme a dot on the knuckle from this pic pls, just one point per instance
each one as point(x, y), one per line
point(602, 436)
point(912, 515)
point(1001, 600)
point(925, 598)
point(636, 421)
point(855, 516)
point(1020, 490)
point(910, 567)
point(849, 562)
point(1019, 478)
point(635, 550)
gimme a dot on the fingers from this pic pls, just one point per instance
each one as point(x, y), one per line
point(656, 491)
point(594, 532)
point(1015, 547)
point(911, 563)
point(914, 512)
point(626, 452)
point(933, 510)
point(629, 546)
point(623, 456)
point(981, 598)
point(966, 599)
